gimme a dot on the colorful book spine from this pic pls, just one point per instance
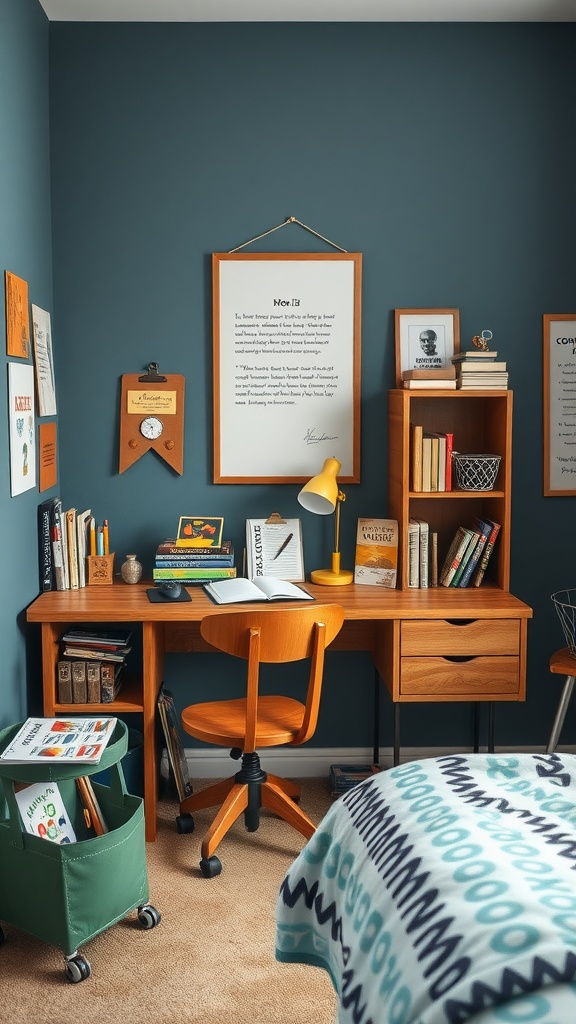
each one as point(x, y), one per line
point(172, 562)
point(455, 552)
point(480, 571)
point(169, 547)
point(466, 556)
point(474, 559)
point(194, 574)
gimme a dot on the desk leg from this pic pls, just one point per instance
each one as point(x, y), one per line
point(376, 750)
point(152, 677)
point(476, 727)
point(491, 725)
point(396, 733)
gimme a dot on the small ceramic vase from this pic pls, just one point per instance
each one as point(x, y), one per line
point(131, 570)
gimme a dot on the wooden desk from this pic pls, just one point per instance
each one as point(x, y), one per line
point(426, 645)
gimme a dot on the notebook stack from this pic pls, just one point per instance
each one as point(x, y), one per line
point(480, 369)
point(193, 565)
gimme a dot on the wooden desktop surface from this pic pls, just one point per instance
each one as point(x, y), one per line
point(372, 618)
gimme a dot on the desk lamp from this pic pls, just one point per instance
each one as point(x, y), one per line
point(322, 496)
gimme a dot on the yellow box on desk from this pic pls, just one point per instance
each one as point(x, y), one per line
point(100, 570)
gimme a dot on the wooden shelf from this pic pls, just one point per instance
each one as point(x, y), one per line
point(481, 421)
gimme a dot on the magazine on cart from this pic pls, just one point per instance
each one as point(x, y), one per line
point(65, 740)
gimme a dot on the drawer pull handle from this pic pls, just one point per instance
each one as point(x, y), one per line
point(460, 622)
point(459, 657)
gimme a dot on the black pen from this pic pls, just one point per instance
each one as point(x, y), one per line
point(283, 545)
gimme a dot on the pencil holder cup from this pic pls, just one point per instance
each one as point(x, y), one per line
point(100, 570)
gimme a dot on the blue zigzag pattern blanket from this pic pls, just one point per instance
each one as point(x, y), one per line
point(443, 891)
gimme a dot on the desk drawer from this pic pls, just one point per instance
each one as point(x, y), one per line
point(444, 679)
point(465, 637)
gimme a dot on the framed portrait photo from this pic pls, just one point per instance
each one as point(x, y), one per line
point(425, 339)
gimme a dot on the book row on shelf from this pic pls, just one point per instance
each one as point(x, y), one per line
point(91, 665)
point(66, 538)
point(431, 460)
point(465, 561)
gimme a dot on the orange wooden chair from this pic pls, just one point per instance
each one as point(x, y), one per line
point(258, 635)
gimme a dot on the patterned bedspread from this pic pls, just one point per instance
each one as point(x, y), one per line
point(443, 891)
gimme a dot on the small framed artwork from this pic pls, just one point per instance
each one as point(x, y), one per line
point(559, 379)
point(425, 339)
point(198, 532)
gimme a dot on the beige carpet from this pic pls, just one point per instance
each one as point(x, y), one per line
point(211, 958)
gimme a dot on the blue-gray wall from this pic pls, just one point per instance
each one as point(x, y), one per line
point(443, 153)
point(25, 250)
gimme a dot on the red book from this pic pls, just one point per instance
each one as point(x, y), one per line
point(449, 450)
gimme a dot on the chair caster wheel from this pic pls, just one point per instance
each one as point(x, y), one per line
point(77, 969)
point(148, 916)
point(185, 824)
point(210, 867)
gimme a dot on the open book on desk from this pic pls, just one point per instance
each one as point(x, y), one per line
point(264, 588)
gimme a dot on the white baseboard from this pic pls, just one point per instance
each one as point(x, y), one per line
point(314, 762)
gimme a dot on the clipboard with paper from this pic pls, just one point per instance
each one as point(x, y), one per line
point(274, 548)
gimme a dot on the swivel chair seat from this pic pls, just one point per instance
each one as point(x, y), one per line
point(259, 635)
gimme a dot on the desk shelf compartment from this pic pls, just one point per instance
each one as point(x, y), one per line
point(66, 895)
point(480, 422)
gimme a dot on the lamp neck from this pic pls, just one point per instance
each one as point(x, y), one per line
point(339, 500)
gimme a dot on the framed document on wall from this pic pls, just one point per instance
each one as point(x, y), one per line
point(286, 365)
point(559, 403)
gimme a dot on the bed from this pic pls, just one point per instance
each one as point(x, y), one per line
point(443, 891)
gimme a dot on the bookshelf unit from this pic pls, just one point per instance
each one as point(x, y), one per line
point(481, 422)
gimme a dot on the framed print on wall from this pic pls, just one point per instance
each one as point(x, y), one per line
point(286, 365)
point(559, 380)
point(425, 339)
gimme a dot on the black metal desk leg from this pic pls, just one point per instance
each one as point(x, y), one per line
point(396, 733)
point(491, 724)
point(376, 750)
point(476, 726)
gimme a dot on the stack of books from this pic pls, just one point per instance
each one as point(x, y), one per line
point(344, 777)
point(480, 369)
point(91, 665)
point(443, 379)
point(193, 564)
point(468, 554)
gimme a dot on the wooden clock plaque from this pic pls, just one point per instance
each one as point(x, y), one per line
point(152, 417)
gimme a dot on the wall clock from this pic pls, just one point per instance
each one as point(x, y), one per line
point(152, 417)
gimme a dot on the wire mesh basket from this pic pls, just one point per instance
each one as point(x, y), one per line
point(565, 604)
point(475, 472)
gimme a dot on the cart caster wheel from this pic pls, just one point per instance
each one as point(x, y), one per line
point(185, 824)
point(77, 969)
point(210, 867)
point(148, 916)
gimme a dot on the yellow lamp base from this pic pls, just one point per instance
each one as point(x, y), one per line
point(328, 578)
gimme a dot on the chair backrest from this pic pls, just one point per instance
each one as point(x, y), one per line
point(276, 635)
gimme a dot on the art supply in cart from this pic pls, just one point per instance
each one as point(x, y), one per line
point(92, 813)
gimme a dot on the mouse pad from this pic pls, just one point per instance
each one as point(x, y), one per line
point(157, 598)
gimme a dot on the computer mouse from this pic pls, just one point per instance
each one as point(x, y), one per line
point(171, 589)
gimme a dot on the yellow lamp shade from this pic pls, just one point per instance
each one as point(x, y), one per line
point(320, 494)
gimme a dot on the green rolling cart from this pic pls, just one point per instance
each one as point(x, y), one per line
point(91, 883)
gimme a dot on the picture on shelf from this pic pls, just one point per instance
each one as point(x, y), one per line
point(199, 532)
point(425, 339)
